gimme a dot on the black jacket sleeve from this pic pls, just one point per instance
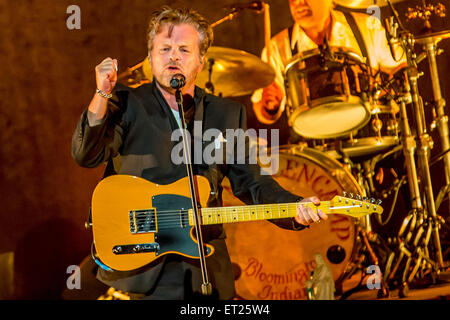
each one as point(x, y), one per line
point(93, 145)
point(252, 187)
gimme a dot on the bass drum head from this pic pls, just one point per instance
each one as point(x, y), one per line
point(271, 263)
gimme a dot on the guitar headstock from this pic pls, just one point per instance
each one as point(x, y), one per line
point(355, 206)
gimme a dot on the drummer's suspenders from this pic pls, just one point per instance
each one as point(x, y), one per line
point(356, 32)
point(295, 50)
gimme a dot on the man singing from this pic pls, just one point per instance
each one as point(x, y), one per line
point(130, 130)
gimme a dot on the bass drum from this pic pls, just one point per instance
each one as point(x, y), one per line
point(271, 263)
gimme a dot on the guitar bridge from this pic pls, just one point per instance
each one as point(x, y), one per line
point(142, 221)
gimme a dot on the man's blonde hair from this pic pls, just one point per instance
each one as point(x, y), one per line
point(173, 17)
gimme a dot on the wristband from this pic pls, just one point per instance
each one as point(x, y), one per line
point(104, 95)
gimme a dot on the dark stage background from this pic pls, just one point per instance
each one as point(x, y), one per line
point(46, 80)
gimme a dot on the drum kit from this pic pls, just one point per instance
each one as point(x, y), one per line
point(348, 125)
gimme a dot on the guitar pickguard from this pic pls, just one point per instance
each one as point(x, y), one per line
point(178, 238)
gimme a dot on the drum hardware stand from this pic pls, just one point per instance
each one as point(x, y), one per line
point(367, 240)
point(429, 45)
point(424, 141)
point(409, 147)
point(423, 220)
point(365, 248)
point(440, 119)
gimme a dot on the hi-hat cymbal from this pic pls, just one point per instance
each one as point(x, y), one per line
point(234, 72)
point(435, 37)
point(364, 4)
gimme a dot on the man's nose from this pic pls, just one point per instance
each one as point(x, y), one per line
point(174, 55)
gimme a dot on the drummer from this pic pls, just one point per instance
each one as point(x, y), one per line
point(315, 21)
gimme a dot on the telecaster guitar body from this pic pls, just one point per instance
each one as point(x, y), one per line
point(130, 228)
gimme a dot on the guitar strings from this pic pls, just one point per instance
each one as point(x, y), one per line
point(180, 218)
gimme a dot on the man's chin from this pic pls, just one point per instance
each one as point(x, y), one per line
point(164, 84)
point(307, 22)
point(165, 80)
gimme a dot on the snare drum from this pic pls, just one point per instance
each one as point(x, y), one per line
point(328, 94)
point(271, 263)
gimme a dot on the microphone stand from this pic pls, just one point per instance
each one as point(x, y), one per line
point(206, 285)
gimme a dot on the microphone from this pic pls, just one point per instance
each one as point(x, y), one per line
point(254, 5)
point(178, 81)
point(391, 30)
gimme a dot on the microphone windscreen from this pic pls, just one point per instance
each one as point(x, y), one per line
point(178, 81)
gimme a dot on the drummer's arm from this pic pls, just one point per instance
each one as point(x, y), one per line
point(269, 102)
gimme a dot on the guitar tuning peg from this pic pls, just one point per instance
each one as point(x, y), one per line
point(350, 195)
point(358, 197)
point(344, 194)
point(372, 200)
point(379, 202)
point(364, 198)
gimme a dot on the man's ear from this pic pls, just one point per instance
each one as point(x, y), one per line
point(202, 60)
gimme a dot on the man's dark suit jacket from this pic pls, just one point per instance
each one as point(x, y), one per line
point(135, 139)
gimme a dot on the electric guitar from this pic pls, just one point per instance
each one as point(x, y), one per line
point(135, 221)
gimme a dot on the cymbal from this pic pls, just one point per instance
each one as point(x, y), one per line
point(432, 37)
point(364, 4)
point(234, 72)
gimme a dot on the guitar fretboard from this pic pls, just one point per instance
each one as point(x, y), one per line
point(338, 205)
point(253, 212)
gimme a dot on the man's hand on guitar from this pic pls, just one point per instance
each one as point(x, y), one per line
point(307, 215)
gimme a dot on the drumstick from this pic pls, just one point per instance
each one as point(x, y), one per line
point(267, 30)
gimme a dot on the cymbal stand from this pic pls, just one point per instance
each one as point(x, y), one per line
point(424, 139)
point(430, 47)
point(423, 221)
point(429, 41)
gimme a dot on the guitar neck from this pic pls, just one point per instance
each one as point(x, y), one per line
point(338, 205)
point(254, 212)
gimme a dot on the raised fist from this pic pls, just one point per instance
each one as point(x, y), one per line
point(106, 75)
